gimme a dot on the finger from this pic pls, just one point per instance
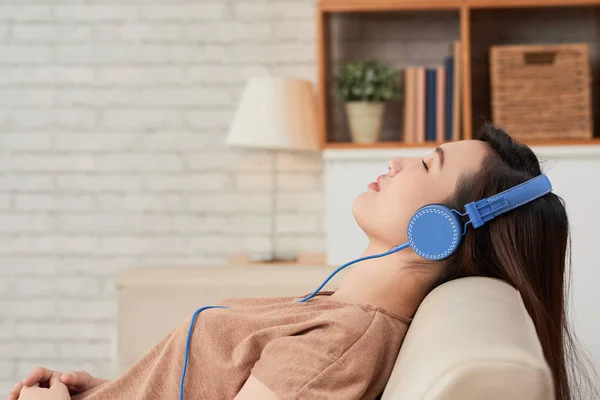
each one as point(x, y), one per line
point(57, 385)
point(14, 392)
point(55, 380)
point(76, 378)
point(39, 374)
point(68, 378)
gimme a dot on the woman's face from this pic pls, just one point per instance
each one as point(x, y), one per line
point(383, 211)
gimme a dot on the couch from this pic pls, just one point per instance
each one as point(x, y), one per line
point(470, 338)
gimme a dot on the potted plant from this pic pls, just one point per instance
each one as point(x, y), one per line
point(364, 87)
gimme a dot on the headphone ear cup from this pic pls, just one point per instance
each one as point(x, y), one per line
point(434, 232)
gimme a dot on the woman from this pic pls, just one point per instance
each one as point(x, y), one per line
point(344, 345)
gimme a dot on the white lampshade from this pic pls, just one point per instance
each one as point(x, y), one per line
point(276, 113)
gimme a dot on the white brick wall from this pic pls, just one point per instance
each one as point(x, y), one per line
point(112, 122)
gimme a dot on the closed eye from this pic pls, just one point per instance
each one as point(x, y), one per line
point(425, 165)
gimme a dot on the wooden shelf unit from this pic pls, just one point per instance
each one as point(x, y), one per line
point(465, 9)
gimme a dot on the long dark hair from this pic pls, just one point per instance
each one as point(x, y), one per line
point(528, 247)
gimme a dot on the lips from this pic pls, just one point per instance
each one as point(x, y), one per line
point(376, 186)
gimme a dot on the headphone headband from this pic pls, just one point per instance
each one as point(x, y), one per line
point(484, 210)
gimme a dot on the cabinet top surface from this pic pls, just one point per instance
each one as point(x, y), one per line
point(386, 5)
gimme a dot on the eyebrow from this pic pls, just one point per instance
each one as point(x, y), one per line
point(440, 153)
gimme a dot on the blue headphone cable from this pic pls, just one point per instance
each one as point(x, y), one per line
point(385, 253)
point(198, 311)
point(187, 346)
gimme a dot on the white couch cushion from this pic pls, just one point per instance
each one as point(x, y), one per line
point(471, 338)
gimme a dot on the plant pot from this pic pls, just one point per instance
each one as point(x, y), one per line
point(364, 120)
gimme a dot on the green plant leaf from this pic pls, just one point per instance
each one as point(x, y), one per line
point(368, 80)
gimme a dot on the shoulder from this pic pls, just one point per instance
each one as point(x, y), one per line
point(340, 353)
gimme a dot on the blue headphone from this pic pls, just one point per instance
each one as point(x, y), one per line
point(434, 232)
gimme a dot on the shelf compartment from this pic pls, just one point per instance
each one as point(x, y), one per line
point(527, 26)
point(392, 38)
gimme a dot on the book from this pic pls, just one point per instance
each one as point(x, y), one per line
point(448, 97)
point(430, 104)
point(409, 105)
point(420, 105)
point(456, 95)
point(440, 99)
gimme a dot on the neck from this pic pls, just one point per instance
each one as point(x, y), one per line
point(386, 282)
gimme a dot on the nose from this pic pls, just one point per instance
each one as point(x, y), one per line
point(397, 164)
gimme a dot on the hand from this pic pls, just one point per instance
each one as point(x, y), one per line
point(56, 390)
point(76, 381)
point(80, 381)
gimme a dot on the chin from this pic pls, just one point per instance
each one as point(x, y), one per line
point(388, 227)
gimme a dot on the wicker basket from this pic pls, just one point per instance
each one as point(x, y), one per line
point(541, 91)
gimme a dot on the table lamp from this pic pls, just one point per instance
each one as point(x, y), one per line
point(275, 113)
